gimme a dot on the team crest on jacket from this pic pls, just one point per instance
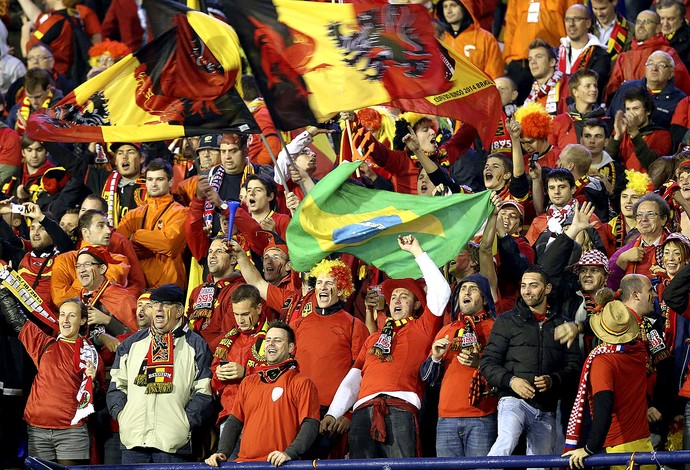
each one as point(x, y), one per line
point(372, 50)
point(277, 393)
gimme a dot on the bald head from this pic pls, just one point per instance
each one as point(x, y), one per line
point(647, 24)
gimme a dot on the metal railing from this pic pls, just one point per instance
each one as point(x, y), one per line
point(514, 461)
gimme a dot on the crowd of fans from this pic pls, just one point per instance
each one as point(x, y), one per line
point(134, 328)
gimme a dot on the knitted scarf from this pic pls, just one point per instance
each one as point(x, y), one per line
point(383, 348)
point(539, 92)
point(580, 63)
point(619, 36)
point(157, 372)
point(653, 341)
point(465, 338)
point(269, 373)
point(555, 217)
point(258, 331)
point(111, 194)
point(215, 181)
point(84, 352)
point(25, 110)
point(584, 388)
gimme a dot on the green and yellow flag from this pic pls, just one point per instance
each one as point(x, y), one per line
point(342, 217)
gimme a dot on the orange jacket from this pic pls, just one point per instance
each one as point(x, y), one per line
point(475, 43)
point(64, 283)
point(157, 233)
point(524, 25)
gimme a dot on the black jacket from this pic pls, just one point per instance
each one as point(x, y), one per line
point(519, 346)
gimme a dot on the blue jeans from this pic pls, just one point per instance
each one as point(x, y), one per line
point(465, 437)
point(516, 416)
point(400, 441)
point(150, 455)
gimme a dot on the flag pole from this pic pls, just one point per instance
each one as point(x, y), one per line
point(291, 162)
point(275, 162)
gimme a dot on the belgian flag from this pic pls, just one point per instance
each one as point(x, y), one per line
point(178, 85)
point(312, 60)
point(341, 217)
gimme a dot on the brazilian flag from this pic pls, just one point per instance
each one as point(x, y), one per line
point(342, 217)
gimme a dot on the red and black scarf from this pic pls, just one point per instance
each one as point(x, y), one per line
point(269, 373)
point(84, 353)
point(383, 348)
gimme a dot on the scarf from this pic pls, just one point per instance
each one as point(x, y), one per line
point(202, 308)
point(580, 63)
point(618, 38)
point(25, 110)
point(575, 422)
point(111, 194)
point(28, 297)
point(269, 373)
point(653, 341)
point(657, 253)
point(556, 217)
point(215, 181)
point(619, 230)
point(84, 352)
point(157, 370)
point(542, 91)
point(258, 331)
point(465, 338)
point(580, 185)
point(383, 348)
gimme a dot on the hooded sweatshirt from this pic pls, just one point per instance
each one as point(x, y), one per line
point(472, 41)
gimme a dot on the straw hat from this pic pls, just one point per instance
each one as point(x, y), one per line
point(615, 324)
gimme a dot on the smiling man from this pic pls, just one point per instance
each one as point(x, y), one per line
point(161, 384)
point(529, 368)
point(210, 309)
point(385, 375)
point(637, 257)
point(318, 318)
point(157, 229)
point(278, 395)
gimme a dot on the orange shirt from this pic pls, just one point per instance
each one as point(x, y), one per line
point(272, 413)
point(411, 345)
point(454, 400)
point(343, 333)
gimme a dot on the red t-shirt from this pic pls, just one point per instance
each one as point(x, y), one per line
point(241, 352)
point(272, 413)
point(341, 332)
point(625, 374)
point(454, 401)
point(411, 345)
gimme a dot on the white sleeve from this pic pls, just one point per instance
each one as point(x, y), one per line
point(294, 147)
point(437, 288)
point(346, 395)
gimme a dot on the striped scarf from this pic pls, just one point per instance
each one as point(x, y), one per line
point(25, 110)
point(573, 430)
point(619, 37)
point(383, 348)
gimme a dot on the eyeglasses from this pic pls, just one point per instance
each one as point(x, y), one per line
point(646, 215)
point(575, 19)
point(87, 264)
point(659, 66)
point(646, 22)
point(38, 58)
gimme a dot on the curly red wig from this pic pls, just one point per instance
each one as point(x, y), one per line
point(116, 49)
point(338, 270)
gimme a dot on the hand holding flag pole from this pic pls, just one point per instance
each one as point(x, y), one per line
point(275, 161)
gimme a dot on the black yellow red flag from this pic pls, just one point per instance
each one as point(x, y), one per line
point(178, 85)
point(314, 59)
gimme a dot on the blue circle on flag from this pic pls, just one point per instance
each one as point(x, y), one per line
point(361, 231)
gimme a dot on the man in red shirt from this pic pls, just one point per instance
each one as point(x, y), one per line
point(318, 318)
point(616, 374)
point(278, 398)
point(467, 419)
point(384, 385)
point(240, 350)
